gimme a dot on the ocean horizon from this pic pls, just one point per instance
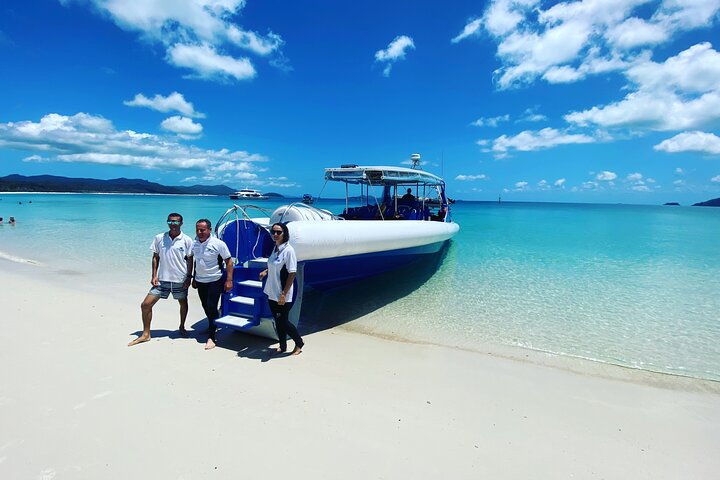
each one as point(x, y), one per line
point(620, 284)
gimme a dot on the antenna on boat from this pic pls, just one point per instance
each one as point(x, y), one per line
point(415, 159)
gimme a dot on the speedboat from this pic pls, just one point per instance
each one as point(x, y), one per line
point(247, 194)
point(379, 233)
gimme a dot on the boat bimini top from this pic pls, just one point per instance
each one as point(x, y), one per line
point(382, 176)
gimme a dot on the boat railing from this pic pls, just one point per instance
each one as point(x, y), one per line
point(241, 211)
point(315, 213)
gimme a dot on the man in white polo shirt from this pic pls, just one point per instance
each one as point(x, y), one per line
point(171, 272)
point(209, 253)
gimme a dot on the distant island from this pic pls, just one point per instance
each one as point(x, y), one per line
point(672, 204)
point(715, 202)
point(57, 184)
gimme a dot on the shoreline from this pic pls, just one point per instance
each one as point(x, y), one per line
point(78, 403)
point(93, 282)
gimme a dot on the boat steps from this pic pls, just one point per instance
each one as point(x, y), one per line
point(243, 300)
point(238, 321)
point(260, 263)
point(250, 283)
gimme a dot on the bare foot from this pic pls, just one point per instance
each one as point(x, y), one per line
point(140, 339)
point(210, 344)
point(296, 351)
point(279, 350)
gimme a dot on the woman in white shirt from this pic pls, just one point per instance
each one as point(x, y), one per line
point(279, 292)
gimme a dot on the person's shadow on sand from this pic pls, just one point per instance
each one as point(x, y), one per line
point(171, 334)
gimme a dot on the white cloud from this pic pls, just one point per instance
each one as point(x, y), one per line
point(635, 32)
point(640, 188)
point(84, 138)
point(715, 179)
point(682, 92)
point(208, 64)
point(701, 142)
point(679, 171)
point(181, 125)
point(395, 51)
point(470, 178)
point(531, 115)
point(173, 102)
point(679, 183)
point(560, 183)
point(253, 42)
point(566, 41)
point(196, 23)
point(606, 176)
point(529, 140)
point(471, 29)
point(490, 121)
point(521, 185)
point(634, 177)
point(503, 16)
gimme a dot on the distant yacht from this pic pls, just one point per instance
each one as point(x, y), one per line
point(248, 194)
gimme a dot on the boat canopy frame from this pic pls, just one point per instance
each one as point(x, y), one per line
point(389, 178)
point(382, 176)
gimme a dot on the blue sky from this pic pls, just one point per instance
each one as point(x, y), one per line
point(578, 101)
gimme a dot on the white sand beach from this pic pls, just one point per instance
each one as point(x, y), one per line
point(77, 403)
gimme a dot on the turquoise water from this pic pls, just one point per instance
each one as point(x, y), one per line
point(629, 285)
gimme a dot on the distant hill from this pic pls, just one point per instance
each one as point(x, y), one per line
point(672, 204)
point(715, 202)
point(52, 183)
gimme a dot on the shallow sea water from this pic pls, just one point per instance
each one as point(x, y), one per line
point(634, 286)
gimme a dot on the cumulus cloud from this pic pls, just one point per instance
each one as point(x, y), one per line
point(606, 176)
point(701, 142)
point(682, 92)
point(206, 63)
point(559, 183)
point(182, 126)
point(529, 140)
point(715, 179)
point(490, 121)
point(521, 185)
point(634, 177)
point(86, 138)
point(173, 102)
point(470, 178)
point(193, 32)
point(395, 51)
point(563, 42)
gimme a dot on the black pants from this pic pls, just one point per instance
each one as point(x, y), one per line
point(283, 325)
point(209, 294)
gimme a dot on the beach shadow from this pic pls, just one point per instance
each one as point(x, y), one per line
point(171, 334)
point(247, 346)
point(326, 309)
point(323, 310)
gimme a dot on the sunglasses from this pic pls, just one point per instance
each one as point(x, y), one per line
point(277, 232)
point(174, 222)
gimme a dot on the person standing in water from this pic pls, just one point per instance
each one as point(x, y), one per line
point(280, 293)
point(171, 272)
